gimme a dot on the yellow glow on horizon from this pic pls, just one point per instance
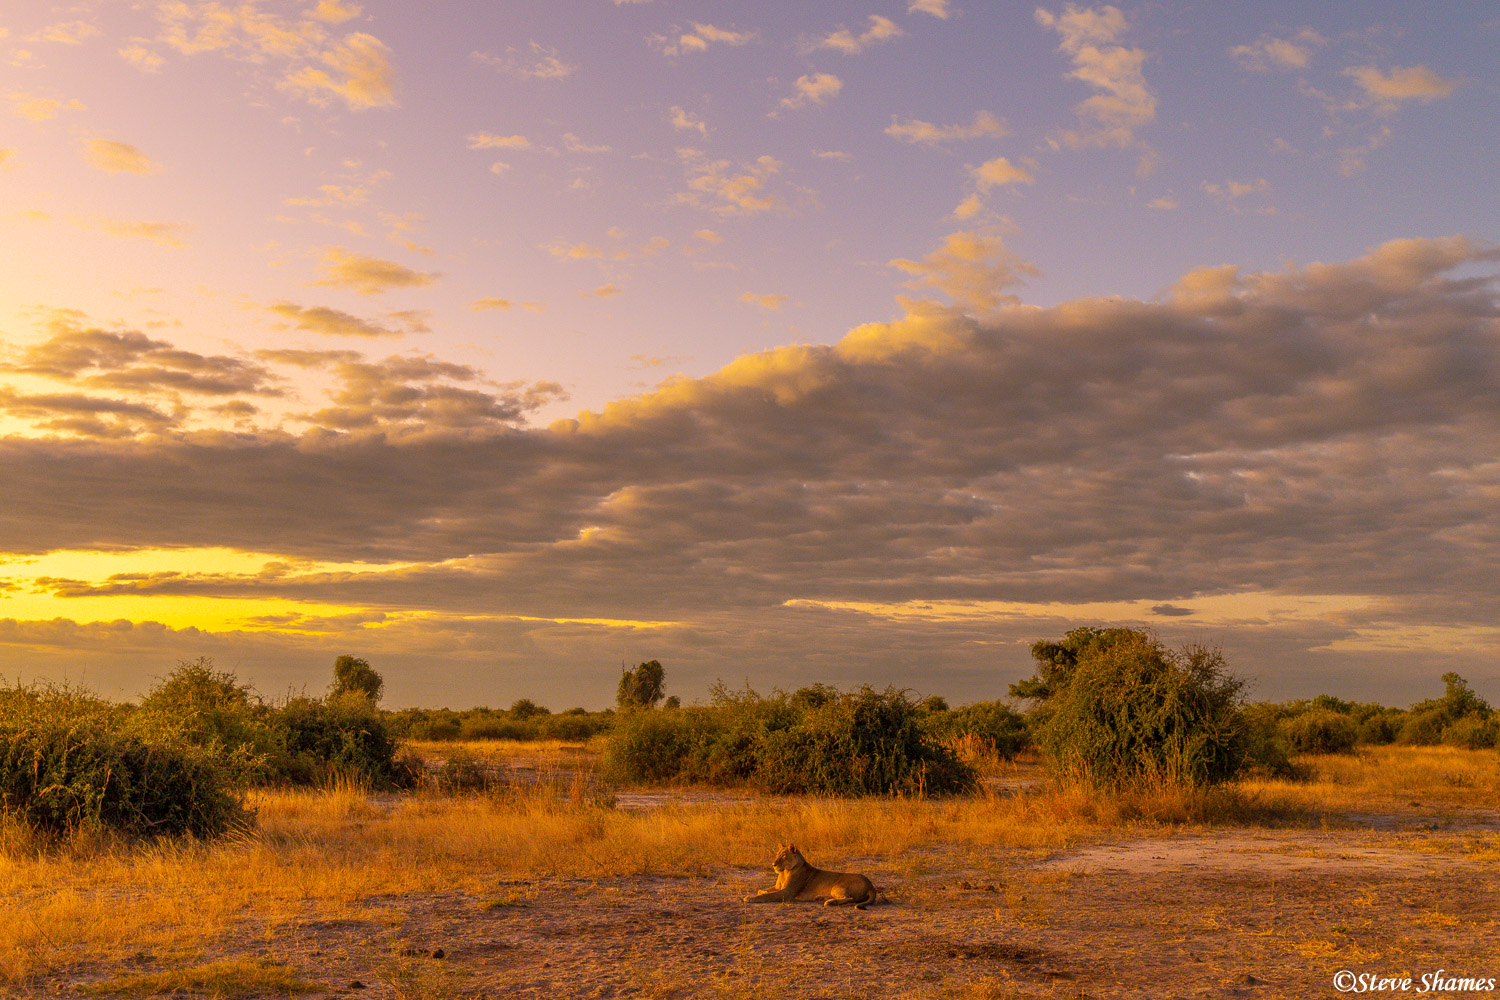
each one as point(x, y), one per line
point(26, 599)
point(29, 600)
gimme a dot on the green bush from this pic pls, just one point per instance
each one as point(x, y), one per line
point(70, 763)
point(342, 737)
point(1320, 730)
point(1133, 712)
point(862, 743)
point(1423, 728)
point(1381, 728)
point(994, 722)
point(1475, 732)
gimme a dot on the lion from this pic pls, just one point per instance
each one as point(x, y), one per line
point(798, 881)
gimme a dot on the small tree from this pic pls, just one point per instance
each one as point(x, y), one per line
point(355, 676)
point(641, 687)
point(524, 708)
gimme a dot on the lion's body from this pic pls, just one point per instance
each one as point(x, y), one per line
point(799, 882)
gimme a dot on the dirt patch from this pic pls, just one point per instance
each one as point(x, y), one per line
point(1262, 853)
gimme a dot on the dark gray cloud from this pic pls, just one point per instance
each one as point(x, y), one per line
point(1326, 430)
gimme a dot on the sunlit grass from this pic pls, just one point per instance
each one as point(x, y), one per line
point(339, 851)
point(1383, 779)
point(226, 979)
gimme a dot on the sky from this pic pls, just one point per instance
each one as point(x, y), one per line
point(505, 345)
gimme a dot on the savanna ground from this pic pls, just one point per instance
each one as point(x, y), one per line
point(547, 885)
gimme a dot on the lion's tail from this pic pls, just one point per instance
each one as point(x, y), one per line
point(875, 896)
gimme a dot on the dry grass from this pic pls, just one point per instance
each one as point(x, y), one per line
point(1388, 779)
point(228, 979)
point(338, 852)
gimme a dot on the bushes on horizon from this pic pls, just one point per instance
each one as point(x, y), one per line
point(574, 725)
point(994, 723)
point(859, 743)
point(1133, 712)
point(1320, 730)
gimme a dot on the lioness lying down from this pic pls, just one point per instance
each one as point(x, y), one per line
point(798, 881)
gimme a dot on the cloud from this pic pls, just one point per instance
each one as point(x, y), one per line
point(535, 62)
point(686, 121)
point(602, 292)
point(1386, 92)
point(1231, 193)
point(119, 157)
point(708, 236)
point(714, 184)
point(972, 269)
point(66, 33)
point(1352, 158)
point(5, 155)
point(505, 305)
point(85, 416)
point(168, 234)
point(914, 130)
point(698, 39)
point(573, 144)
point(573, 251)
point(332, 322)
point(336, 12)
point(818, 88)
point(1302, 457)
point(362, 75)
point(142, 58)
point(130, 361)
point(40, 109)
point(488, 140)
point(881, 29)
point(1124, 103)
point(771, 302)
point(1268, 52)
point(999, 172)
point(1165, 203)
point(937, 8)
point(368, 275)
point(421, 396)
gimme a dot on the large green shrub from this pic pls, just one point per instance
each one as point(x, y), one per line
point(1133, 712)
point(70, 763)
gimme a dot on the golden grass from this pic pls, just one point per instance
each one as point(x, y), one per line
point(337, 852)
point(1388, 779)
point(219, 979)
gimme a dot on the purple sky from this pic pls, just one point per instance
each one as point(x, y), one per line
point(846, 343)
